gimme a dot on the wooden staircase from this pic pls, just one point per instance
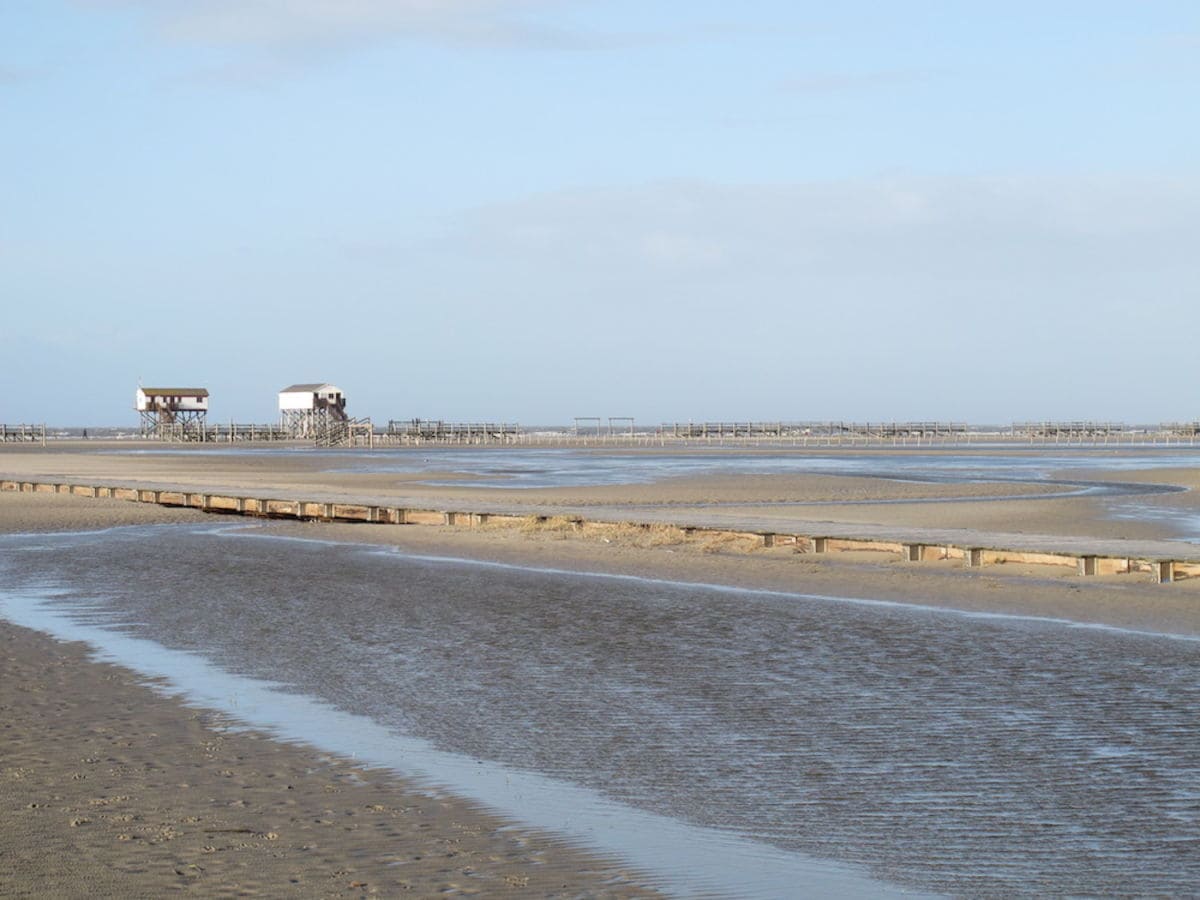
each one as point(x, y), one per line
point(345, 433)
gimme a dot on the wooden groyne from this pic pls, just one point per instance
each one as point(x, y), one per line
point(1164, 561)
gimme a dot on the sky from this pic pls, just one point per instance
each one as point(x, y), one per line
point(532, 210)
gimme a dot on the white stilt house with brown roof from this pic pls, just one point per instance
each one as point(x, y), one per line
point(172, 413)
point(308, 410)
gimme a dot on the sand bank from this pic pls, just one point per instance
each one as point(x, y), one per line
point(60, 512)
point(788, 499)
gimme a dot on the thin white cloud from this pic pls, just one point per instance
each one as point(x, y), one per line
point(10, 75)
point(1182, 40)
point(296, 28)
point(913, 237)
point(834, 82)
point(297, 25)
point(985, 299)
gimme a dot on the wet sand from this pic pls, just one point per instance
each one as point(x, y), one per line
point(110, 788)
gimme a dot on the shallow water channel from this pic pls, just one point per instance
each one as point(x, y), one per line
point(927, 749)
point(526, 468)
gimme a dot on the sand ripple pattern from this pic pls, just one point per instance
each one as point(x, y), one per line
point(974, 756)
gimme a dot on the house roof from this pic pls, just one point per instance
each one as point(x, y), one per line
point(307, 388)
point(174, 392)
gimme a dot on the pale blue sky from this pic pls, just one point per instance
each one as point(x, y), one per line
point(529, 210)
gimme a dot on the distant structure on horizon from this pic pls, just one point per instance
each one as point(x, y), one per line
point(178, 412)
point(309, 410)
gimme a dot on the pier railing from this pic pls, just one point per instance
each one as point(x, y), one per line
point(831, 434)
point(419, 431)
point(232, 432)
point(345, 433)
point(23, 433)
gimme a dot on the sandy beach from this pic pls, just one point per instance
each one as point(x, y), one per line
point(110, 788)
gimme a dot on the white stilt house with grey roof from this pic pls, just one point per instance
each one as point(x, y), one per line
point(172, 413)
point(308, 410)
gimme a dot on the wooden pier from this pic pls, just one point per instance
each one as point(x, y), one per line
point(23, 434)
point(1104, 433)
point(421, 431)
point(865, 431)
point(1162, 561)
point(233, 432)
point(348, 432)
point(621, 432)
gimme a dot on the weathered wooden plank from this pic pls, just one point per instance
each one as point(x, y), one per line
point(349, 512)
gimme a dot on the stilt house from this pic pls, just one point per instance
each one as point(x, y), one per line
point(171, 409)
point(306, 410)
